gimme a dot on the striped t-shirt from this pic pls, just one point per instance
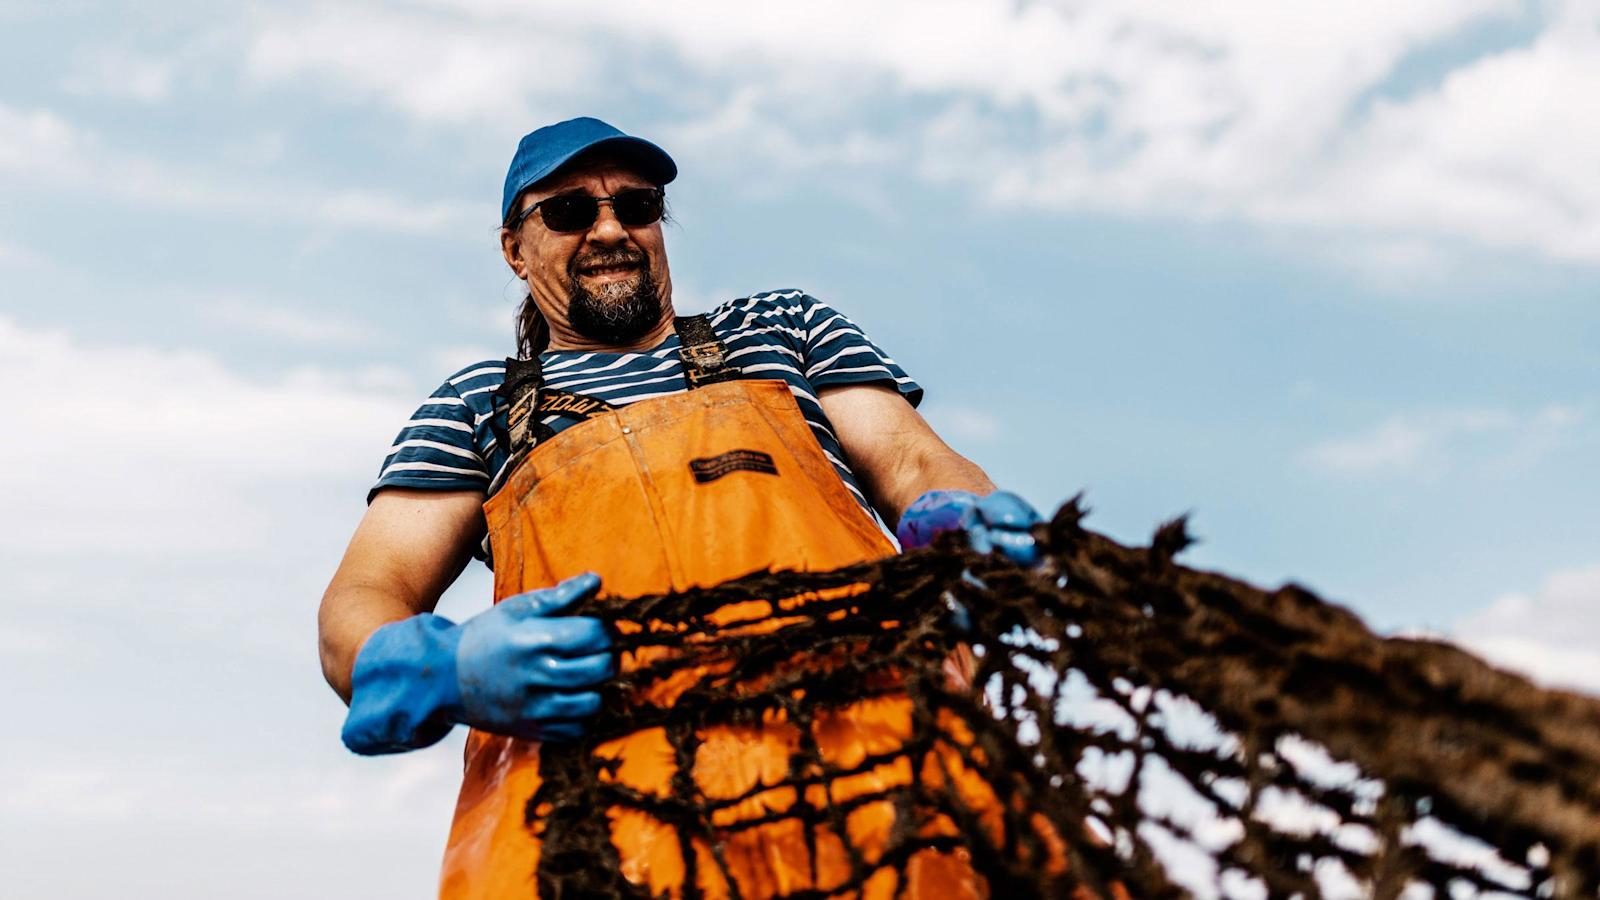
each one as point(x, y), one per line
point(450, 444)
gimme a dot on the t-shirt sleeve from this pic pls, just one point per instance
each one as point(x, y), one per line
point(838, 352)
point(435, 450)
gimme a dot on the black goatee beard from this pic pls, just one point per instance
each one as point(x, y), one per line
point(619, 313)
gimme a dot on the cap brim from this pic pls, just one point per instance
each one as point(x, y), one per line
point(646, 158)
point(651, 161)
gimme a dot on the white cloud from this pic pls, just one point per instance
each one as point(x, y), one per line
point(436, 67)
point(168, 525)
point(35, 141)
point(1268, 112)
point(1407, 443)
point(963, 423)
point(1394, 443)
point(796, 144)
point(1551, 634)
point(270, 319)
point(39, 145)
point(1263, 121)
point(371, 209)
point(354, 827)
point(1478, 157)
point(118, 74)
point(86, 787)
point(140, 451)
point(18, 255)
point(451, 357)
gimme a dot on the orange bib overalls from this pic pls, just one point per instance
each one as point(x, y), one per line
point(663, 495)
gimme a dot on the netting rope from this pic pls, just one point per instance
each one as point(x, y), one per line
point(1148, 728)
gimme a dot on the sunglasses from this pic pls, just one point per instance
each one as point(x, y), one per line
point(577, 211)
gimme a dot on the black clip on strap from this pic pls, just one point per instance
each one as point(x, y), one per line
point(705, 358)
point(518, 395)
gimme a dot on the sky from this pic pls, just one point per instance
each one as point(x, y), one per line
point(1326, 277)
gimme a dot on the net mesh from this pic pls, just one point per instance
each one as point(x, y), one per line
point(1148, 729)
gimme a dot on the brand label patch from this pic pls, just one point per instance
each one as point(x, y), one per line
point(575, 405)
point(710, 468)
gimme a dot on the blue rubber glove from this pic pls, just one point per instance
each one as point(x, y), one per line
point(518, 669)
point(1000, 521)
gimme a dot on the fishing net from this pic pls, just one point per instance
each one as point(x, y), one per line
point(1134, 728)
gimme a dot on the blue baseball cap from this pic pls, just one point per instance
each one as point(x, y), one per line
point(540, 153)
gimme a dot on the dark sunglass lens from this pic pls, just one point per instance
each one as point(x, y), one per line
point(637, 206)
point(569, 212)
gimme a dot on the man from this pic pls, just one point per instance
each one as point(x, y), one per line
point(629, 447)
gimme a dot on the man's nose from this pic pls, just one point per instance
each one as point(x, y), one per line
point(606, 229)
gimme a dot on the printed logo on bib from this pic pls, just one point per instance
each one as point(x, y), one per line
point(575, 405)
point(710, 468)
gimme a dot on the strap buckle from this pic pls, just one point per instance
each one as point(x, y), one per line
point(705, 357)
point(705, 362)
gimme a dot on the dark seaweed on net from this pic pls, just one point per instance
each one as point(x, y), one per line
point(1108, 678)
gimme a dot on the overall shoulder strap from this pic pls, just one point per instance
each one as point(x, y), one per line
point(526, 402)
point(518, 395)
point(705, 359)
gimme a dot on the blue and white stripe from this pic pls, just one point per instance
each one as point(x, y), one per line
point(449, 444)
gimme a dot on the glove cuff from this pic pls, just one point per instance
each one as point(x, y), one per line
point(403, 689)
point(930, 514)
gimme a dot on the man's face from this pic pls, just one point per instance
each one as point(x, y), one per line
point(609, 283)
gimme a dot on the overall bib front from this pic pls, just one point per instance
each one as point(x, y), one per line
point(668, 494)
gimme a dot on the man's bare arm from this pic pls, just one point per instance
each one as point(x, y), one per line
point(894, 453)
point(410, 546)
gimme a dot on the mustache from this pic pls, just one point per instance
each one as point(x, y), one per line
point(619, 257)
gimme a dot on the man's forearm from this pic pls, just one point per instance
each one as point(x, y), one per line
point(896, 457)
point(939, 468)
point(349, 615)
point(407, 551)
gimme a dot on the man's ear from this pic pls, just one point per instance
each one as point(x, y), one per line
point(510, 248)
